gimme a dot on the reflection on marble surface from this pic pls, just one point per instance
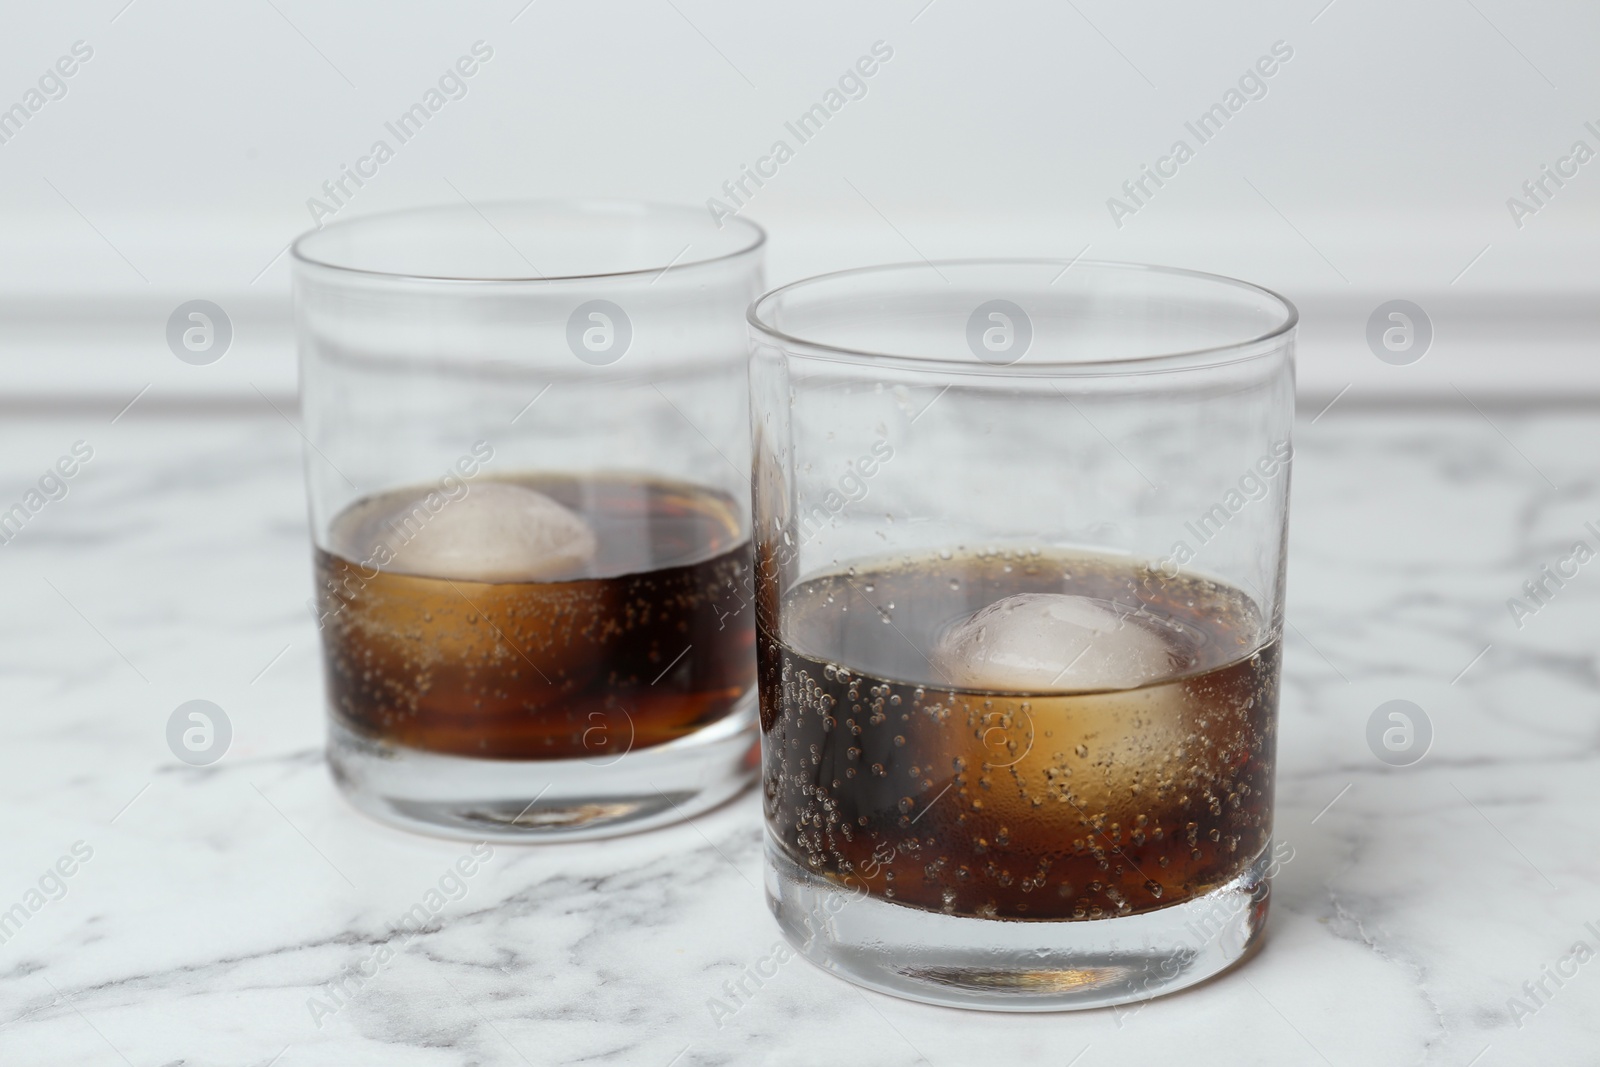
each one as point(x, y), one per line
point(241, 913)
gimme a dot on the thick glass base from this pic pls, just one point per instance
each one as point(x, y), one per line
point(1000, 965)
point(524, 801)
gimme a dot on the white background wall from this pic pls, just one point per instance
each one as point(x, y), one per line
point(1378, 166)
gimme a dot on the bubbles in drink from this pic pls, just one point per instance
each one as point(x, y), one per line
point(537, 618)
point(1053, 737)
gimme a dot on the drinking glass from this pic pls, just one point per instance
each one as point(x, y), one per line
point(527, 458)
point(1020, 543)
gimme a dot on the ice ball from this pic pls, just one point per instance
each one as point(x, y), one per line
point(498, 532)
point(1037, 642)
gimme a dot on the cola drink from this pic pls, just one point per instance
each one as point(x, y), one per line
point(536, 618)
point(1018, 735)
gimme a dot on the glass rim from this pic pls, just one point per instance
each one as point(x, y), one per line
point(1152, 362)
point(756, 238)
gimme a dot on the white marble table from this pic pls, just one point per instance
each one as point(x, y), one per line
point(215, 903)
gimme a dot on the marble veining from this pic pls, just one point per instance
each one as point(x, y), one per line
point(1429, 914)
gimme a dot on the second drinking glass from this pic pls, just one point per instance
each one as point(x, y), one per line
point(527, 459)
point(1020, 553)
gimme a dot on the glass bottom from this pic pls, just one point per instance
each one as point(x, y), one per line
point(1001, 965)
point(526, 801)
